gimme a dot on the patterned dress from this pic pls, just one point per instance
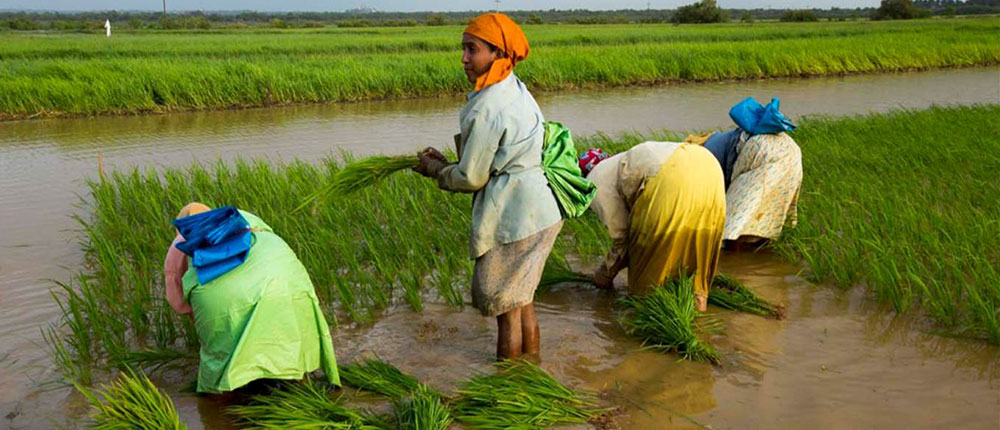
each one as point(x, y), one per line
point(765, 186)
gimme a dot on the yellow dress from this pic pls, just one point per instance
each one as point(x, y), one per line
point(676, 224)
point(665, 205)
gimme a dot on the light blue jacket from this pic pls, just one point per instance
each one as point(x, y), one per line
point(500, 156)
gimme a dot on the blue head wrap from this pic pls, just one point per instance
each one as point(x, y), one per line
point(217, 241)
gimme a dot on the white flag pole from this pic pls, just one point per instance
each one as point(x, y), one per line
point(107, 27)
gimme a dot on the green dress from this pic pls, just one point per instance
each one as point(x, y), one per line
point(260, 320)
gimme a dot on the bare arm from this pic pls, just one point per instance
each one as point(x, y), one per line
point(174, 267)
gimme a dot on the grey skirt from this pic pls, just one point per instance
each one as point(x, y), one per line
point(505, 277)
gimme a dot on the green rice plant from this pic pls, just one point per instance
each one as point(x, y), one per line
point(557, 271)
point(131, 402)
point(422, 410)
point(519, 396)
point(51, 74)
point(666, 319)
point(360, 174)
point(306, 405)
point(379, 377)
point(882, 205)
point(729, 293)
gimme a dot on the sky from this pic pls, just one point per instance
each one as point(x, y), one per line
point(408, 6)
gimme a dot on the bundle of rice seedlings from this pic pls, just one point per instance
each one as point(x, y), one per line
point(357, 175)
point(379, 377)
point(558, 271)
point(666, 320)
point(521, 396)
point(132, 402)
point(422, 410)
point(306, 405)
point(729, 293)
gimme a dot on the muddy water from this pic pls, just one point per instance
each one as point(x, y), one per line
point(834, 363)
point(43, 165)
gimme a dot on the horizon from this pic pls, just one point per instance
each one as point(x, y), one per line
point(396, 6)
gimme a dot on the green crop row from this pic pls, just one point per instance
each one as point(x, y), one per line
point(906, 203)
point(56, 74)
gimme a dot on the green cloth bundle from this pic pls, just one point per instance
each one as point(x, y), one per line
point(573, 192)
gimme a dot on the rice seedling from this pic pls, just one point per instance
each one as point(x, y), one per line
point(921, 235)
point(131, 402)
point(558, 271)
point(729, 293)
point(519, 396)
point(306, 405)
point(379, 377)
point(422, 410)
point(359, 174)
point(917, 224)
point(56, 74)
point(666, 319)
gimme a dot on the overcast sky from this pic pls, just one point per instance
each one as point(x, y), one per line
point(403, 5)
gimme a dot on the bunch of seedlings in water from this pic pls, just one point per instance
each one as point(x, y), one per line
point(558, 271)
point(729, 293)
point(306, 405)
point(666, 319)
point(131, 402)
point(520, 395)
point(377, 376)
point(422, 409)
point(357, 175)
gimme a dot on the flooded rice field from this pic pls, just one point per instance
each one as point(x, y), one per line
point(838, 361)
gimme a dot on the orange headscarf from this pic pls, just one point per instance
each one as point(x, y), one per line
point(499, 30)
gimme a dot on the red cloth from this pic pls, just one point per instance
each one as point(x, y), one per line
point(590, 159)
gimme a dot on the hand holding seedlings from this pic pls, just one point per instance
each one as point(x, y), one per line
point(430, 162)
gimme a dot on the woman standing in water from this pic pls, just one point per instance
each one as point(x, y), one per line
point(515, 217)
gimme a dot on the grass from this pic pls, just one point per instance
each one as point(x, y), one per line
point(47, 74)
point(519, 396)
point(308, 405)
point(379, 377)
point(729, 293)
point(908, 205)
point(422, 410)
point(904, 203)
point(131, 402)
point(357, 175)
point(666, 319)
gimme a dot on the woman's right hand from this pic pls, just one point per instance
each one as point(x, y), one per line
point(430, 161)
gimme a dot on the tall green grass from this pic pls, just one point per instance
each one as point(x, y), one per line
point(907, 204)
point(52, 74)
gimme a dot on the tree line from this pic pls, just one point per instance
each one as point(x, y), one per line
point(704, 11)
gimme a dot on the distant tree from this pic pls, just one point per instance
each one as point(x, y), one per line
point(703, 12)
point(747, 17)
point(896, 9)
point(535, 19)
point(799, 16)
point(437, 19)
point(279, 23)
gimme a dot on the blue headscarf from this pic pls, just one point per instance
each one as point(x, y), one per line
point(756, 119)
point(217, 241)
